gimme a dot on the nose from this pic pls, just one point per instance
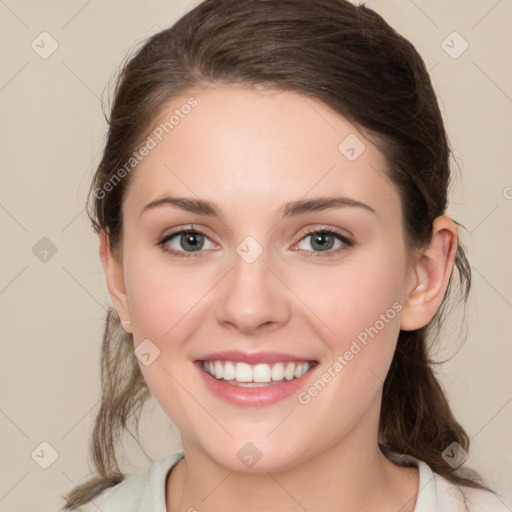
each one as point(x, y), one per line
point(252, 298)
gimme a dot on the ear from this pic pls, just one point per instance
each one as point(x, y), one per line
point(114, 274)
point(430, 275)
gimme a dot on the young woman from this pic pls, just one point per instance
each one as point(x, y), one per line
point(271, 212)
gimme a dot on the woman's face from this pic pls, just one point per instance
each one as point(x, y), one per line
point(253, 280)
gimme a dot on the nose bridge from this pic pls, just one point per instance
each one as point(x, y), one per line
point(252, 296)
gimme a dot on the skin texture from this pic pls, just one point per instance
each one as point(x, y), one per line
point(251, 151)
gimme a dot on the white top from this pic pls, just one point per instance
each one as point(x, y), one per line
point(145, 492)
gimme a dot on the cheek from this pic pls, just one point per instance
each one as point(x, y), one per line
point(355, 292)
point(361, 306)
point(162, 296)
point(149, 298)
point(164, 301)
point(357, 305)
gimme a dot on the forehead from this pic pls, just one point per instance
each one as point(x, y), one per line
point(242, 147)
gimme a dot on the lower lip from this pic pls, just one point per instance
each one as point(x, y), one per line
point(253, 397)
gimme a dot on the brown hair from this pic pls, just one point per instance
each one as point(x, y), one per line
point(349, 58)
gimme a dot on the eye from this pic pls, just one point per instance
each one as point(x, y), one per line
point(184, 243)
point(324, 240)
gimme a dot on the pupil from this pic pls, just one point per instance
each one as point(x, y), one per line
point(188, 239)
point(320, 240)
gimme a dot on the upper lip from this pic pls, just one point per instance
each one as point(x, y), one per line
point(253, 357)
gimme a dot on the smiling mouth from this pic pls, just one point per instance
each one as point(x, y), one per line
point(257, 375)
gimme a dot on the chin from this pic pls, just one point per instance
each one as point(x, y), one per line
point(256, 456)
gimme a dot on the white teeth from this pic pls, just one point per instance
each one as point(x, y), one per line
point(261, 374)
point(301, 370)
point(229, 371)
point(218, 368)
point(289, 372)
point(278, 371)
point(243, 372)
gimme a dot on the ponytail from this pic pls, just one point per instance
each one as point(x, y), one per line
point(124, 392)
point(416, 418)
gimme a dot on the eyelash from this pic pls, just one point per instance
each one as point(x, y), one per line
point(322, 254)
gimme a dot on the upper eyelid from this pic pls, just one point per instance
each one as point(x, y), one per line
point(335, 231)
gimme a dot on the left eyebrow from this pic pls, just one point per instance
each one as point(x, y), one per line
point(291, 209)
point(302, 206)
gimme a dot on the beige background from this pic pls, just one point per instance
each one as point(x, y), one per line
point(53, 312)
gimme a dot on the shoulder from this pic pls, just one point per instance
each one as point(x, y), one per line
point(455, 498)
point(142, 490)
point(437, 493)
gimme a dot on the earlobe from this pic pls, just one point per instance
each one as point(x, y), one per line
point(431, 273)
point(114, 275)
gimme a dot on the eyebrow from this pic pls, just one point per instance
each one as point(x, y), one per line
point(291, 209)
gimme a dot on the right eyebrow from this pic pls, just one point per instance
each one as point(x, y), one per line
point(191, 205)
